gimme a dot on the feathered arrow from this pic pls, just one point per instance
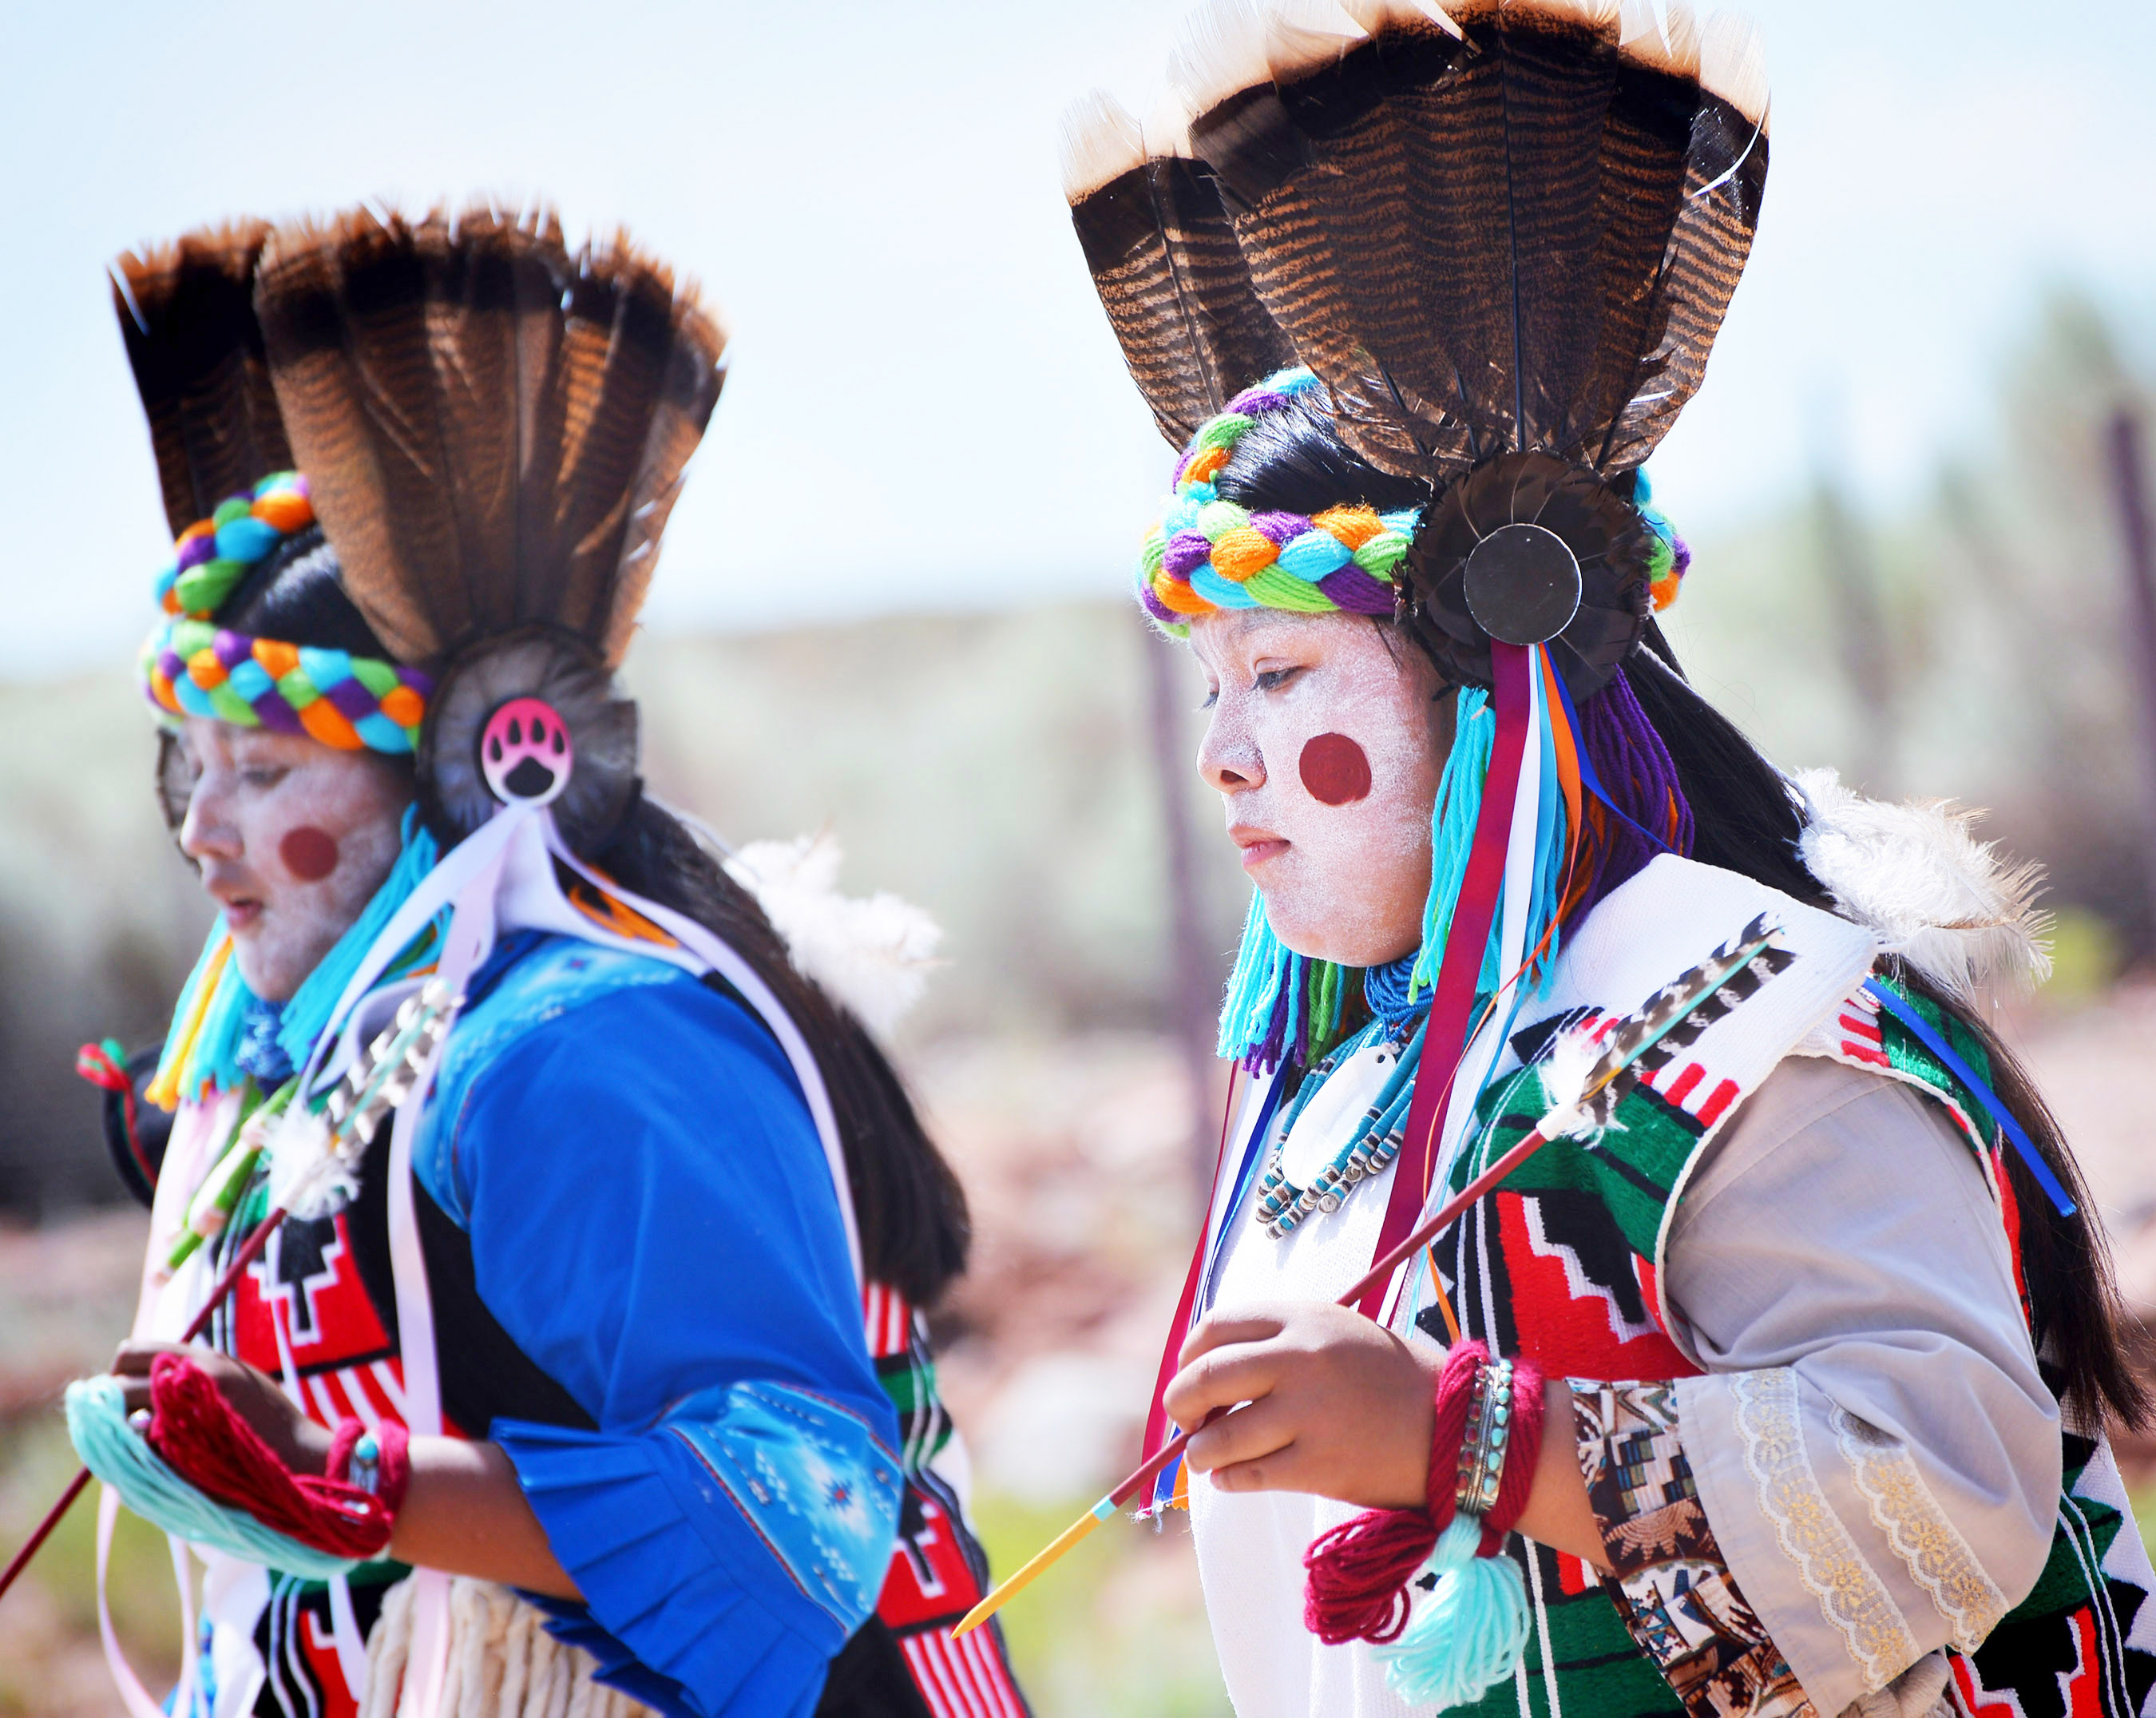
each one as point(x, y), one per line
point(1655, 1023)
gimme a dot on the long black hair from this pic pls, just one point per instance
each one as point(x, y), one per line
point(911, 1211)
point(1746, 818)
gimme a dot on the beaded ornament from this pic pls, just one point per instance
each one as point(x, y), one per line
point(190, 666)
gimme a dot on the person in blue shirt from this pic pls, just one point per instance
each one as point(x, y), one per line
point(666, 1221)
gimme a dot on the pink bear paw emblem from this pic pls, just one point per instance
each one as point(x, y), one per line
point(525, 753)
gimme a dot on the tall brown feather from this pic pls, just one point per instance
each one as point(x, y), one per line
point(493, 428)
point(1164, 260)
point(1523, 236)
point(186, 314)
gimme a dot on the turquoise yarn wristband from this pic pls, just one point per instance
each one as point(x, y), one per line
point(120, 1457)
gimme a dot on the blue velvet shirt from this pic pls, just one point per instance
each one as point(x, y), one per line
point(652, 1223)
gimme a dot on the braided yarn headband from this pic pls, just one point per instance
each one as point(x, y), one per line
point(1207, 553)
point(190, 666)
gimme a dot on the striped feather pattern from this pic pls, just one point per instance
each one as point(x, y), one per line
point(187, 315)
point(1503, 229)
point(1172, 280)
point(494, 428)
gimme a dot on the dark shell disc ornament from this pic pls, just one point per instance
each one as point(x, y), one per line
point(1527, 549)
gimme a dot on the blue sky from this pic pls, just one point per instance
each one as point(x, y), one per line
point(926, 409)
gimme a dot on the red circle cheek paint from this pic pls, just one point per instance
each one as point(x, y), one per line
point(1334, 769)
point(310, 854)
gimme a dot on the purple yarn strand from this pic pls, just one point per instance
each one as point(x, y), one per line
point(1356, 591)
point(1641, 779)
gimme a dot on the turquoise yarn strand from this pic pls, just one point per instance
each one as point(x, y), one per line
point(1453, 820)
point(1272, 984)
point(97, 1421)
point(307, 1014)
point(1263, 965)
point(1452, 834)
point(1466, 1636)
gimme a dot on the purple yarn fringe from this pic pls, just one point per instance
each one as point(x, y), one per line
point(1638, 774)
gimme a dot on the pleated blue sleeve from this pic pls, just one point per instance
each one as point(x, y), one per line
point(652, 1221)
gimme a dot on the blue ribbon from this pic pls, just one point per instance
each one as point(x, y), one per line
point(1937, 1045)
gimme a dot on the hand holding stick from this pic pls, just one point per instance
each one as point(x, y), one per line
point(1627, 1043)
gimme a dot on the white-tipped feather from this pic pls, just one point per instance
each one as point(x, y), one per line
point(1669, 41)
point(306, 1177)
point(1219, 52)
point(1732, 64)
point(1598, 15)
point(1100, 143)
point(1304, 35)
point(1639, 20)
point(1166, 127)
point(871, 956)
point(1934, 895)
point(1373, 16)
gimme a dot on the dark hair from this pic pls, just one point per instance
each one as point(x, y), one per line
point(1745, 818)
point(911, 1210)
point(914, 1230)
point(296, 595)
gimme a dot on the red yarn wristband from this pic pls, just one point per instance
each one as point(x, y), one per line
point(1357, 1573)
point(392, 1460)
point(198, 1434)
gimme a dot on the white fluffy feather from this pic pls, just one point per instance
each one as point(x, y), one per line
point(871, 955)
point(304, 1178)
point(1220, 51)
point(1565, 1073)
point(1935, 896)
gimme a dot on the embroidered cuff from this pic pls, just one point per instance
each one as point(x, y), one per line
point(1668, 1579)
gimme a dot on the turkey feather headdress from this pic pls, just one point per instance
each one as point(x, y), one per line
point(187, 315)
point(1502, 236)
point(493, 430)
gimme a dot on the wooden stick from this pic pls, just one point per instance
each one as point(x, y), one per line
point(1377, 1275)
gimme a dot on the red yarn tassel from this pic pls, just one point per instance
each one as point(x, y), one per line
point(1359, 1571)
point(195, 1431)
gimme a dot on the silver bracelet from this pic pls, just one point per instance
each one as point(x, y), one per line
point(1489, 1430)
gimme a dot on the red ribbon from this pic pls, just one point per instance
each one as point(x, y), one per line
point(1444, 1041)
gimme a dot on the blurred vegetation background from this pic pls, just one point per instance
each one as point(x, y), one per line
point(1019, 774)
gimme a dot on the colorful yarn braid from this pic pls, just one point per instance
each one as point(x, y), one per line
point(1670, 558)
point(1207, 553)
point(191, 667)
point(213, 555)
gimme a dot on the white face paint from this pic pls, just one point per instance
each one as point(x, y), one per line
point(293, 838)
point(1344, 873)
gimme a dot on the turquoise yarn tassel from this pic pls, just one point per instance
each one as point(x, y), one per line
point(1263, 966)
point(1467, 1635)
point(1277, 1000)
point(307, 1014)
point(97, 1421)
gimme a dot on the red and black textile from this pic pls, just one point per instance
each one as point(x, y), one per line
point(938, 1570)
